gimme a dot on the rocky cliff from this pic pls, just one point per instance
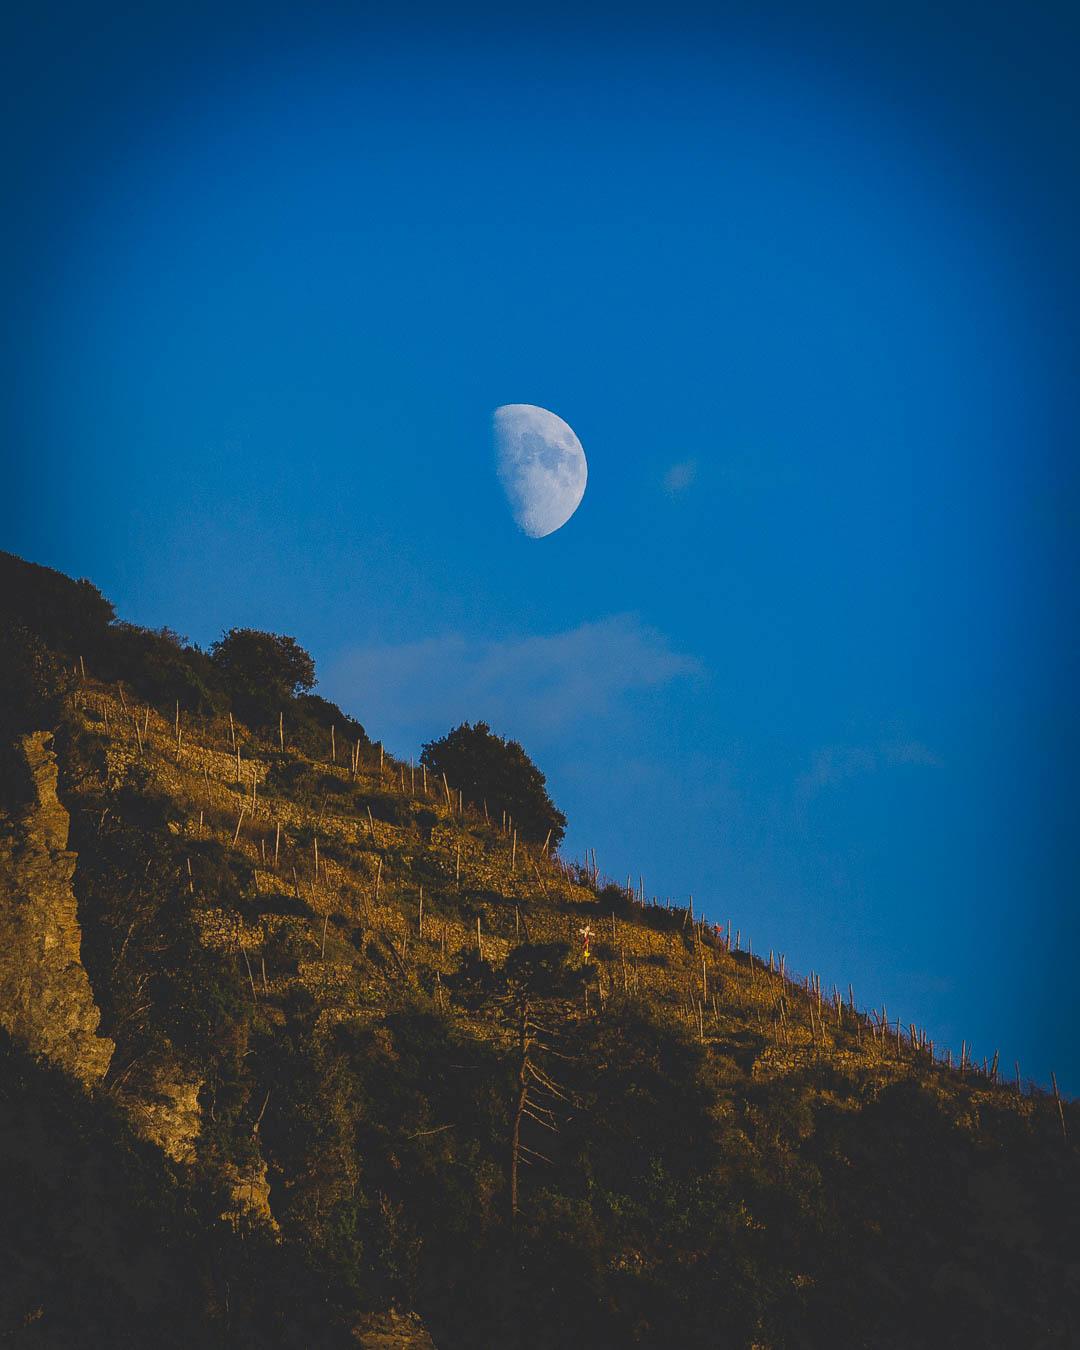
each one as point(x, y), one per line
point(45, 995)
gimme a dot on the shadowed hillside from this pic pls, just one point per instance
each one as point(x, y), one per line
point(366, 1081)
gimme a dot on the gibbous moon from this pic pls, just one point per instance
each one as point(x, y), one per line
point(541, 467)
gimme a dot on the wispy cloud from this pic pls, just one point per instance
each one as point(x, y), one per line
point(679, 477)
point(834, 764)
point(526, 686)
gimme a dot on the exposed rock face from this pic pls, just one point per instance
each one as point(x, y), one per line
point(45, 994)
point(251, 1194)
point(392, 1331)
point(165, 1110)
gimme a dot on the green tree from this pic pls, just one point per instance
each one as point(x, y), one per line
point(261, 671)
point(488, 768)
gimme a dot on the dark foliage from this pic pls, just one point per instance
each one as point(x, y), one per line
point(262, 672)
point(71, 617)
point(104, 1243)
point(33, 681)
point(309, 719)
point(488, 768)
point(164, 669)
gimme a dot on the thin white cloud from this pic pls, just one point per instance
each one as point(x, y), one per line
point(527, 687)
point(833, 764)
point(679, 477)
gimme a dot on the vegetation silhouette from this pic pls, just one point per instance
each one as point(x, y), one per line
point(496, 773)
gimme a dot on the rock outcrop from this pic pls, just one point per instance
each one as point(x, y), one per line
point(392, 1331)
point(164, 1109)
point(45, 996)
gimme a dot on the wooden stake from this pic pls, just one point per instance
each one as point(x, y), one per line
point(315, 842)
point(333, 745)
point(513, 854)
point(420, 914)
point(1016, 1062)
point(281, 731)
point(240, 821)
point(232, 731)
point(247, 963)
point(378, 880)
point(1061, 1109)
point(277, 844)
point(326, 920)
point(371, 824)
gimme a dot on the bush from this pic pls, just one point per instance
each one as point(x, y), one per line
point(488, 768)
point(32, 682)
point(262, 672)
point(69, 616)
point(163, 668)
point(308, 720)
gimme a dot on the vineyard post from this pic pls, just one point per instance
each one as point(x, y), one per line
point(1061, 1109)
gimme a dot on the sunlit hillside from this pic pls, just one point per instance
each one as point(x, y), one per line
point(307, 1048)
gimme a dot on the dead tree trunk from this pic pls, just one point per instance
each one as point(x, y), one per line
point(522, 1102)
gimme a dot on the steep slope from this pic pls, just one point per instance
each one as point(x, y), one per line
point(709, 1151)
point(337, 1059)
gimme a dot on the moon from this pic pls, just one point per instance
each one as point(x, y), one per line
point(541, 466)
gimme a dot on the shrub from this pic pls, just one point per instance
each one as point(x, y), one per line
point(69, 616)
point(32, 681)
point(489, 768)
point(261, 671)
point(308, 720)
point(163, 668)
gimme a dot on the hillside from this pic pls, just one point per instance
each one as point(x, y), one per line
point(304, 1049)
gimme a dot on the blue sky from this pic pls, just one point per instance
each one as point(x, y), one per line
point(805, 286)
